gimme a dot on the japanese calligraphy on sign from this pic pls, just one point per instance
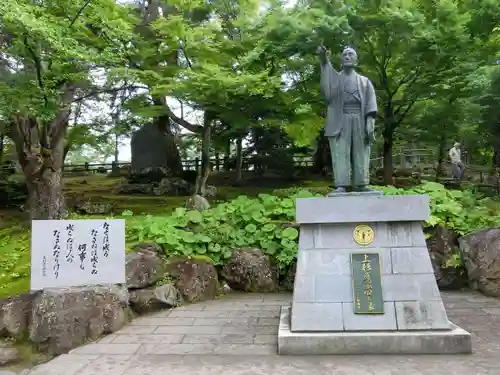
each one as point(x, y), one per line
point(367, 283)
point(68, 253)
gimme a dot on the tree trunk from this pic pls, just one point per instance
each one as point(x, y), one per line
point(227, 155)
point(204, 171)
point(2, 148)
point(388, 134)
point(388, 148)
point(46, 199)
point(239, 159)
point(43, 175)
point(441, 154)
point(322, 160)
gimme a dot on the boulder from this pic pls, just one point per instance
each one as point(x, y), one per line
point(173, 186)
point(63, 319)
point(289, 280)
point(250, 270)
point(144, 267)
point(134, 188)
point(8, 354)
point(15, 314)
point(195, 278)
point(93, 208)
point(159, 297)
point(441, 244)
point(481, 250)
point(197, 202)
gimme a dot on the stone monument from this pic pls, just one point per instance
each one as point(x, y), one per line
point(148, 149)
point(364, 282)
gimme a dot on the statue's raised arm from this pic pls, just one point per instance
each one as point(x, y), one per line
point(330, 80)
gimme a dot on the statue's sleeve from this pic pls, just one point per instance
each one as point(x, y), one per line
point(329, 82)
point(371, 100)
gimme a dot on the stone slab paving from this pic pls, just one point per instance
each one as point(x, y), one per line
point(237, 335)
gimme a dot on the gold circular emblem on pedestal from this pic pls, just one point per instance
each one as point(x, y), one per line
point(363, 234)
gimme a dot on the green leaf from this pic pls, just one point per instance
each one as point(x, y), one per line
point(194, 217)
point(290, 233)
point(251, 228)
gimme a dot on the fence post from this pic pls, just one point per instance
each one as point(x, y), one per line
point(87, 166)
point(196, 164)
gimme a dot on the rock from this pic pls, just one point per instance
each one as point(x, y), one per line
point(441, 244)
point(289, 280)
point(197, 202)
point(173, 186)
point(63, 319)
point(148, 147)
point(155, 298)
point(210, 191)
point(15, 314)
point(151, 247)
point(144, 267)
point(8, 354)
point(133, 188)
point(93, 208)
point(481, 251)
point(250, 270)
point(195, 278)
point(226, 288)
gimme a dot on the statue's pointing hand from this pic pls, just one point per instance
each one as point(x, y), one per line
point(322, 52)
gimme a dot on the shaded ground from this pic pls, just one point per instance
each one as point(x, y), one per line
point(238, 335)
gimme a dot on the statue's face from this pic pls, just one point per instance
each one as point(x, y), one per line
point(349, 58)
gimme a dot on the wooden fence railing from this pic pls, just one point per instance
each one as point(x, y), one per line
point(402, 159)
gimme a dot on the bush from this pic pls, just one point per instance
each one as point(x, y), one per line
point(258, 222)
point(463, 211)
point(13, 190)
point(243, 222)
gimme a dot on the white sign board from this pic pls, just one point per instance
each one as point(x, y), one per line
point(68, 253)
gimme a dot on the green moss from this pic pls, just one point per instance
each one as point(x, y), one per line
point(201, 258)
point(14, 261)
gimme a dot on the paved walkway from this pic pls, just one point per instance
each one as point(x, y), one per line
point(237, 335)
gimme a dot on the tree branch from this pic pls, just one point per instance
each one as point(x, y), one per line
point(180, 121)
point(404, 113)
point(79, 13)
point(108, 91)
point(38, 69)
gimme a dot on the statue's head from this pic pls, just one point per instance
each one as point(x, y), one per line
point(457, 145)
point(349, 58)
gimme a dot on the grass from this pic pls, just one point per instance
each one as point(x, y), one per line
point(15, 226)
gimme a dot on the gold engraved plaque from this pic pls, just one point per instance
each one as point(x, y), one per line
point(363, 234)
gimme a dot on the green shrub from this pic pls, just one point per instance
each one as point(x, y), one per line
point(245, 222)
point(463, 211)
point(242, 222)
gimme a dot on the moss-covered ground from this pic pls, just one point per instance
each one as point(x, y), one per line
point(15, 226)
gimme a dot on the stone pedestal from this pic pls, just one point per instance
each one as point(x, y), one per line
point(327, 316)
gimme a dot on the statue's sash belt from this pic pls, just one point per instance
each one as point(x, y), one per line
point(352, 108)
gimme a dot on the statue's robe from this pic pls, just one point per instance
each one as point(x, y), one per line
point(350, 141)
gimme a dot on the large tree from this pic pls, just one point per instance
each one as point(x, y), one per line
point(53, 54)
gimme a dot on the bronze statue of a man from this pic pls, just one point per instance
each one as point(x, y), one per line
point(350, 121)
